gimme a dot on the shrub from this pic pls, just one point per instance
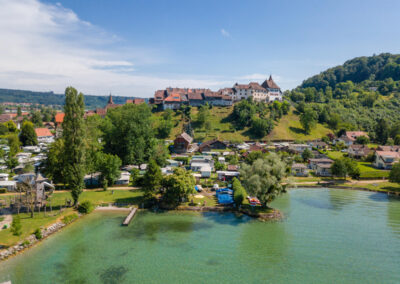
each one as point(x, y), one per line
point(3, 190)
point(16, 227)
point(38, 234)
point(238, 192)
point(69, 218)
point(25, 243)
point(5, 227)
point(85, 207)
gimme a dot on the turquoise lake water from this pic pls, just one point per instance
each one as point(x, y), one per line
point(328, 236)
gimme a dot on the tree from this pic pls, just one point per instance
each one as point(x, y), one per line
point(19, 111)
point(264, 178)
point(307, 154)
point(239, 192)
point(382, 131)
point(54, 165)
point(219, 166)
point(108, 165)
point(203, 115)
point(334, 121)
point(16, 227)
point(128, 133)
point(11, 126)
point(363, 140)
point(261, 127)
point(93, 142)
point(394, 175)
point(152, 179)
point(397, 139)
point(36, 118)
point(28, 135)
point(177, 187)
point(14, 144)
point(308, 119)
point(345, 167)
point(74, 141)
point(164, 128)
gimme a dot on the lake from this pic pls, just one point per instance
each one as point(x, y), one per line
point(327, 236)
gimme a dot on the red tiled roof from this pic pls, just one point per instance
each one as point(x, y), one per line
point(5, 117)
point(195, 96)
point(173, 98)
point(59, 118)
point(43, 132)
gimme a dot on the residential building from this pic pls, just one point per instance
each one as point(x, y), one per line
point(357, 151)
point(44, 135)
point(323, 170)
point(212, 145)
point(350, 137)
point(299, 148)
point(299, 170)
point(313, 163)
point(182, 143)
point(385, 159)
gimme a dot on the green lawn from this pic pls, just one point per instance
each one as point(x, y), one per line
point(289, 128)
point(368, 171)
point(334, 155)
point(58, 199)
point(210, 200)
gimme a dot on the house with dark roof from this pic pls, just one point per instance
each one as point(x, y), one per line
point(212, 145)
point(274, 91)
point(182, 143)
point(350, 137)
point(357, 151)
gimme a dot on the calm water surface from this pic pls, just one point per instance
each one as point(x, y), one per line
point(328, 236)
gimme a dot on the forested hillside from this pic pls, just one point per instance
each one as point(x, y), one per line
point(49, 98)
point(363, 93)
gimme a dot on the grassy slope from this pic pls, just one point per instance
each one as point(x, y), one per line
point(289, 128)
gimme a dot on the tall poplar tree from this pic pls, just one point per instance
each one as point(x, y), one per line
point(74, 141)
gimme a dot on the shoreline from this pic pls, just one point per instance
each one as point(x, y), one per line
point(276, 215)
point(390, 193)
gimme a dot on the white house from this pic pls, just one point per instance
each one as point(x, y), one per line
point(10, 185)
point(44, 135)
point(385, 159)
point(124, 178)
point(299, 170)
point(299, 148)
point(3, 176)
point(323, 170)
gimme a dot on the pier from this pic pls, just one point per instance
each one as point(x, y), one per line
point(129, 218)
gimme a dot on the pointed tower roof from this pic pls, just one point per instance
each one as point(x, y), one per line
point(110, 100)
point(270, 84)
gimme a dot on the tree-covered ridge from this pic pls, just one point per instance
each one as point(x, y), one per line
point(50, 98)
point(355, 95)
point(373, 68)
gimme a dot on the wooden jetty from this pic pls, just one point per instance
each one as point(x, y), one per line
point(129, 218)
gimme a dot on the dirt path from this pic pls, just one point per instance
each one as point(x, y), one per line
point(7, 218)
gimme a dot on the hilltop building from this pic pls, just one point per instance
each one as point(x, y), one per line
point(173, 98)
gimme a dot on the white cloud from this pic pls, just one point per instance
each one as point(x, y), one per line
point(48, 47)
point(225, 33)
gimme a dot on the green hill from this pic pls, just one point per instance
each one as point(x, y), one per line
point(50, 98)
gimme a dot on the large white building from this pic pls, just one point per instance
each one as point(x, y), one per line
point(269, 91)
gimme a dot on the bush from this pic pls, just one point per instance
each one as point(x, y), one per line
point(16, 227)
point(69, 218)
point(25, 243)
point(85, 207)
point(38, 234)
point(3, 190)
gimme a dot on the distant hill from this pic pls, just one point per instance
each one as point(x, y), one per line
point(50, 98)
point(372, 68)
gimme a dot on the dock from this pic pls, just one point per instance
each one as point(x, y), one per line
point(129, 218)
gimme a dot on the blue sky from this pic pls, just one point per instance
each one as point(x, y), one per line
point(132, 48)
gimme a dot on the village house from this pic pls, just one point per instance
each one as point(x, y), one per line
point(227, 175)
point(44, 135)
point(313, 163)
point(350, 137)
point(385, 159)
point(299, 170)
point(274, 91)
point(323, 170)
point(212, 145)
point(182, 143)
point(357, 151)
point(299, 148)
point(320, 145)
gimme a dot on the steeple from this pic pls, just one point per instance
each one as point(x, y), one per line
point(270, 77)
point(110, 100)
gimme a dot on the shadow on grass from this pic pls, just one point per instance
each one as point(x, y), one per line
point(297, 130)
point(391, 188)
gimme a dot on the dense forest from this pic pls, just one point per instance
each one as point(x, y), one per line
point(50, 98)
point(363, 93)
